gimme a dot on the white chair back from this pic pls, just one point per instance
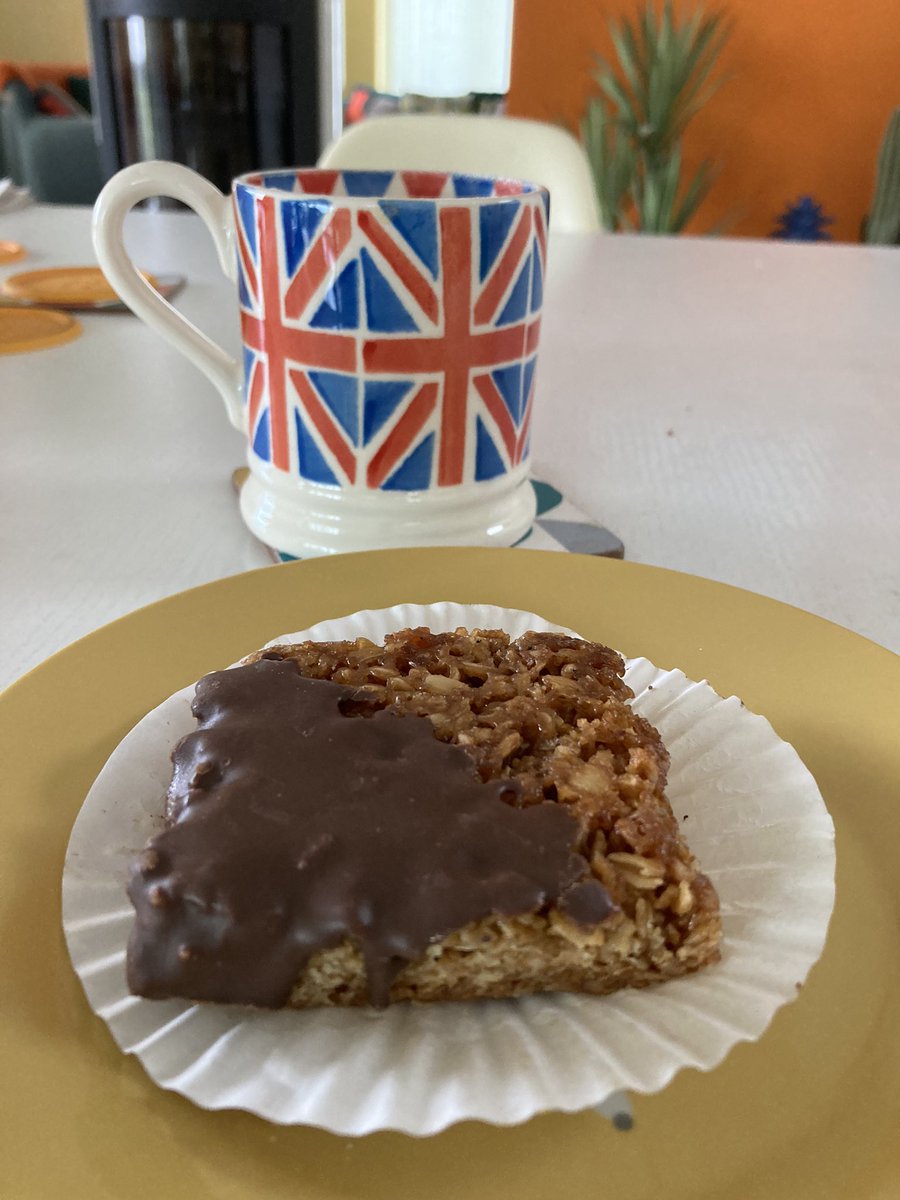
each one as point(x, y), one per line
point(477, 145)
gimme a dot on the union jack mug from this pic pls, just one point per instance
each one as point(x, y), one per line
point(390, 324)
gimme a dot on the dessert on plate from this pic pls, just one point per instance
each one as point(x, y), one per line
point(441, 817)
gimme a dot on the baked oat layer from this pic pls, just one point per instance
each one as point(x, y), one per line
point(553, 713)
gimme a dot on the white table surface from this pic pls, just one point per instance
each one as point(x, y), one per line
point(728, 408)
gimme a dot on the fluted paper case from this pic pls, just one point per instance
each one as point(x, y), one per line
point(755, 820)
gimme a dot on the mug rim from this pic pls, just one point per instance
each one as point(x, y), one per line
point(528, 187)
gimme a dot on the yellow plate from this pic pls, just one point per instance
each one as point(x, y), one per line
point(811, 1110)
point(23, 329)
point(63, 285)
point(11, 252)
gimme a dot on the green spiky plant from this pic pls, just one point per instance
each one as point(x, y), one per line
point(883, 224)
point(665, 71)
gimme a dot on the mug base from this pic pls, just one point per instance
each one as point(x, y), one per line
point(308, 521)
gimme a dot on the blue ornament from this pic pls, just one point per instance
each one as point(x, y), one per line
point(803, 222)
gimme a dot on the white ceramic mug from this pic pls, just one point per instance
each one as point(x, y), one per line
point(390, 322)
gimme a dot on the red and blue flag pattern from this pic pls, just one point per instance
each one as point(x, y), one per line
point(390, 344)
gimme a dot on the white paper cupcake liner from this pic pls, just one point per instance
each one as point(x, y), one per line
point(753, 816)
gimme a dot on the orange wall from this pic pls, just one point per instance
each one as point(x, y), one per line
point(814, 82)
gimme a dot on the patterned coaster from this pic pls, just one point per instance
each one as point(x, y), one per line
point(559, 525)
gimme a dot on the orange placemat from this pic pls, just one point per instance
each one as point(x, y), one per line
point(63, 285)
point(11, 252)
point(24, 329)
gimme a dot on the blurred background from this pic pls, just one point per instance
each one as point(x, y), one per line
point(747, 117)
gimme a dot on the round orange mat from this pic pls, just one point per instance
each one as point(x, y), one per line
point(63, 285)
point(23, 329)
point(11, 252)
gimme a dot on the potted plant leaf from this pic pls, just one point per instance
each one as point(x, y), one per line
point(883, 223)
point(665, 69)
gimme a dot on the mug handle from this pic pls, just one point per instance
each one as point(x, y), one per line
point(119, 196)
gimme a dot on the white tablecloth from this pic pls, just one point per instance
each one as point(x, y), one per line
point(729, 408)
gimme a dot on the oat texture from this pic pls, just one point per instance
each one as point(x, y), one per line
point(553, 713)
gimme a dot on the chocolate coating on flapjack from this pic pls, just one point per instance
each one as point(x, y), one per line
point(296, 822)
